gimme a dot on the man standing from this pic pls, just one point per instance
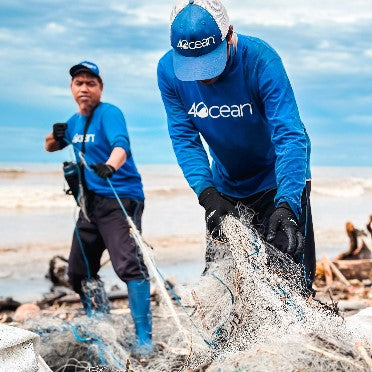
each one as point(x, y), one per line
point(233, 90)
point(99, 131)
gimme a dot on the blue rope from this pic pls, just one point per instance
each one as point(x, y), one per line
point(93, 339)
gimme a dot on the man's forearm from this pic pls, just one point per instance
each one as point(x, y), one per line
point(51, 144)
point(117, 158)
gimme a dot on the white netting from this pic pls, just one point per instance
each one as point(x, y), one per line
point(249, 311)
point(214, 7)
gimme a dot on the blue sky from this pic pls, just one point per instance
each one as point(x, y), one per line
point(326, 47)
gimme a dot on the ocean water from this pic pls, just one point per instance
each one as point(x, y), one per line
point(37, 219)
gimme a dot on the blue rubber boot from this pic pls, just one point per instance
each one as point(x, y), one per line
point(140, 307)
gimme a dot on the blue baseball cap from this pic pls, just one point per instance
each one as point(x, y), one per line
point(85, 66)
point(198, 33)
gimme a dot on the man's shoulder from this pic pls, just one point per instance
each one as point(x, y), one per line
point(104, 106)
point(165, 65)
point(107, 108)
point(166, 59)
point(256, 46)
point(73, 118)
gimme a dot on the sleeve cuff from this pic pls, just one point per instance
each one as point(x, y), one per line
point(124, 146)
point(296, 208)
point(202, 186)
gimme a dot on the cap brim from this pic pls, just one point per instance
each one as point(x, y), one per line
point(205, 67)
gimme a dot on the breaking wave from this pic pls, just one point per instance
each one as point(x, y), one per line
point(342, 187)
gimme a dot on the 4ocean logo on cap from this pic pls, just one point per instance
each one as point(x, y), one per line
point(89, 65)
point(198, 44)
point(202, 111)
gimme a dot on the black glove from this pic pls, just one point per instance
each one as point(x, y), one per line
point(59, 131)
point(284, 219)
point(216, 207)
point(103, 170)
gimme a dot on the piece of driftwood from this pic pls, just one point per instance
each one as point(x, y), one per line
point(358, 246)
point(57, 272)
point(50, 299)
point(336, 271)
point(369, 225)
point(74, 297)
point(355, 269)
point(112, 295)
point(327, 271)
point(8, 304)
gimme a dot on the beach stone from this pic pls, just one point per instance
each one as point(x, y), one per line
point(26, 311)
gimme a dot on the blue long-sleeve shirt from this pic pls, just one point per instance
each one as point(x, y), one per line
point(249, 119)
point(106, 131)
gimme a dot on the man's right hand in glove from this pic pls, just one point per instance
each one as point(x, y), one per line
point(54, 141)
point(216, 208)
point(59, 132)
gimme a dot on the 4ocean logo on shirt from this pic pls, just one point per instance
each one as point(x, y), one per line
point(78, 138)
point(202, 111)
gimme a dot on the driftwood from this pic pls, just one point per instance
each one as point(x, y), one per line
point(358, 246)
point(356, 263)
point(118, 294)
point(327, 271)
point(369, 225)
point(349, 269)
point(8, 304)
point(337, 272)
point(355, 269)
point(57, 272)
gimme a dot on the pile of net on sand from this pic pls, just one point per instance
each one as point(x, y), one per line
point(247, 312)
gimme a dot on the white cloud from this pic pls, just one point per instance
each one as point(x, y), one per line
point(292, 12)
point(360, 120)
point(57, 91)
point(257, 12)
point(323, 61)
point(368, 53)
point(54, 28)
point(145, 13)
point(7, 36)
point(324, 44)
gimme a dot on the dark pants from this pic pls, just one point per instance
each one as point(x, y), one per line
point(108, 229)
point(262, 206)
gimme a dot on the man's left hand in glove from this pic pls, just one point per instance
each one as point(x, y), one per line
point(285, 220)
point(103, 170)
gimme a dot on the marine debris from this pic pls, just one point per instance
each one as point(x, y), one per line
point(248, 311)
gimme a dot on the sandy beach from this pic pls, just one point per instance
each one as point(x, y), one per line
point(37, 221)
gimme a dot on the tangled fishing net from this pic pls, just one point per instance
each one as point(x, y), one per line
point(247, 312)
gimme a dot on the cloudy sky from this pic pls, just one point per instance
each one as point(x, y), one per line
point(326, 46)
